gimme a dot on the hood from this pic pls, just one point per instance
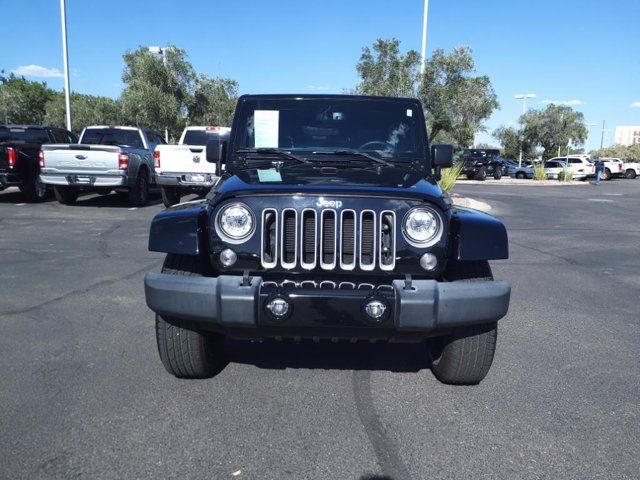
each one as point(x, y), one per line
point(301, 179)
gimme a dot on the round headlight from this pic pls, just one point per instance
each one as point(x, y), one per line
point(236, 221)
point(422, 227)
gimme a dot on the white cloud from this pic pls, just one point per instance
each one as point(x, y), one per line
point(318, 87)
point(562, 102)
point(635, 105)
point(37, 71)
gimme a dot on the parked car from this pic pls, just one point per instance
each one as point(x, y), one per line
point(519, 172)
point(554, 167)
point(327, 223)
point(631, 169)
point(613, 167)
point(478, 163)
point(581, 166)
point(19, 150)
point(183, 168)
point(107, 158)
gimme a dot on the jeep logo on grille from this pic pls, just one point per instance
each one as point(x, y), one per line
point(322, 203)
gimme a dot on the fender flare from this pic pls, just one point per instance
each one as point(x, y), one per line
point(180, 229)
point(477, 236)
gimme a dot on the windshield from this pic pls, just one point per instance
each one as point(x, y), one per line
point(112, 136)
point(27, 135)
point(392, 129)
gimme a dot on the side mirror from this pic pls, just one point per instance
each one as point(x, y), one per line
point(441, 156)
point(216, 150)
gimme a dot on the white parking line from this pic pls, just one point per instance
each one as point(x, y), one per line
point(20, 204)
point(605, 200)
point(133, 208)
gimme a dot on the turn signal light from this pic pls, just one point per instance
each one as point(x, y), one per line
point(156, 158)
point(123, 161)
point(41, 159)
point(13, 156)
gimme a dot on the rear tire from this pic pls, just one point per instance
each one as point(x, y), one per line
point(184, 351)
point(606, 174)
point(170, 196)
point(34, 190)
point(65, 195)
point(630, 174)
point(482, 174)
point(464, 357)
point(497, 175)
point(139, 193)
point(520, 176)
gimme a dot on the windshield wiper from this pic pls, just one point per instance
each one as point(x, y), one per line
point(355, 154)
point(273, 151)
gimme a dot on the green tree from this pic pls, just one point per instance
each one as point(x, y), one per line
point(157, 92)
point(629, 153)
point(85, 110)
point(213, 101)
point(456, 102)
point(512, 140)
point(554, 128)
point(21, 100)
point(387, 72)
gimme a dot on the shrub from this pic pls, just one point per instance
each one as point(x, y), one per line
point(539, 173)
point(565, 176)
point(449, 177)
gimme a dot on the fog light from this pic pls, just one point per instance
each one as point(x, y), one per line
point(375, 309)
point(428, 261)
point(278, 307)
point(228, 257)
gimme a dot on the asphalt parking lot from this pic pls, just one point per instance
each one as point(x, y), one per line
point(84, 395)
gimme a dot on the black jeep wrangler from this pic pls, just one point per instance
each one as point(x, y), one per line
point(328, 224)
point(479, 163)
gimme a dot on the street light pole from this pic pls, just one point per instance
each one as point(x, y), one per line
point(162, 52)
point(602, 137)
point(65, 58)
point(523, 97)
point(424, 35)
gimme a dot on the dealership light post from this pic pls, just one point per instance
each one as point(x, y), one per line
point(65, 58)
point(424, 35)
point(162, 52)
point(523, 97)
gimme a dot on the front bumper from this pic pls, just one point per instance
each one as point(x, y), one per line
point(426, 307)
point(84, 180)
point(185, 180)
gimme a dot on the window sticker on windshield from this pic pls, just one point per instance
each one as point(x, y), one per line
point(269, 175)
point(409, 112)
point(266, 128)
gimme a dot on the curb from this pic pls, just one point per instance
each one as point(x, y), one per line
point(528, 183)
point(471, 203)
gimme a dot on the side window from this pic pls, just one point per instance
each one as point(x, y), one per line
point(151, 140)
point(71, 137)
point(133, 138)
point(59, 136)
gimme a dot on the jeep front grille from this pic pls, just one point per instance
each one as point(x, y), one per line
point(328, 239)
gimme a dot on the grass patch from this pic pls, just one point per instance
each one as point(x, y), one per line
point(565, 176)
point(449, 177)
point(539, 173)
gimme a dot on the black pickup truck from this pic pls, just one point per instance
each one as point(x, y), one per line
point(19, 156)
point(328, 223)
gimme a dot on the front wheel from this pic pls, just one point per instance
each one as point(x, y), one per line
point(185, 351)
point(66, 195)
point(520, 175)
point(482, 174)
point(497, 175)
point(170, 196)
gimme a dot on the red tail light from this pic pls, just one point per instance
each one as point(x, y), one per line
point(123, 161)
point(156, 158)
point(41, 159)
point(13, 156)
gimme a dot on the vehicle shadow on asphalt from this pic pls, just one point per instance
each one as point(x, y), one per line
point(270, 354)
point(16, 196)
point(113, 200)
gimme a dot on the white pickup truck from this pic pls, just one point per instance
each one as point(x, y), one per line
point(106, 158)
point(183, 168)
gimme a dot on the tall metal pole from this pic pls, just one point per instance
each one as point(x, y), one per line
point(602, 137)
point(65, 58)
point(424, 35)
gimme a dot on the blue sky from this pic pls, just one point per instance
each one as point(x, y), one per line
point(584, 52)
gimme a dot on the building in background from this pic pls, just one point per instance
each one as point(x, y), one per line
point(627, 135)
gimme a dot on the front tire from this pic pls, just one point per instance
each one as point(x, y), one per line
point(185, 351)
point(170, 196)
point(464, 357)
point(482, 174)
point(497, 175)
point(66, 195)
point(520, 175)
